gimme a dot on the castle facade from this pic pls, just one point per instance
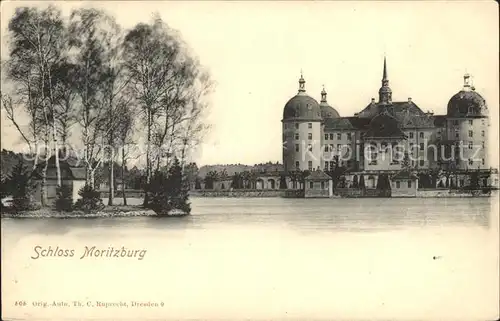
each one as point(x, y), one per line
point(386, 137)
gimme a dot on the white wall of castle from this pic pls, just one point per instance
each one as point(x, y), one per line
point(302, 145)
point(472, 134)
point(420, 142)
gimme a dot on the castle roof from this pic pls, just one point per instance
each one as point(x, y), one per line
point(346, 123)
point(404, 174)
point(384, 126)
point(318, 175)
point(302, 106)
point(467, 102)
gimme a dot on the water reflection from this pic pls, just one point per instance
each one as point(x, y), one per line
point(276, 213)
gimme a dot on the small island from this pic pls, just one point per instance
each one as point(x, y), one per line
point(88, 97)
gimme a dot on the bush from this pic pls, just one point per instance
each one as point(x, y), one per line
point(4, 189)
point(283, 182)
point(64, 199)
point(90, 200)
point(21, 188)
point(169, 191)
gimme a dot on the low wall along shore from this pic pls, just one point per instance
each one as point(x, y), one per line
point(338, 192)
point(237, 193)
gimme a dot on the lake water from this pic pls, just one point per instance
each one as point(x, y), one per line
point(266, 259)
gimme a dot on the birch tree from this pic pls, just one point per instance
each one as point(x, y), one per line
point(163, 77)
point(91, 31)
point(36, 45)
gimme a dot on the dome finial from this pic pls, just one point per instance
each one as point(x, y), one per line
point(302, 82)
point(467, 81)
point(323, 95)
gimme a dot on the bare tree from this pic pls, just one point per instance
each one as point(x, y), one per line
point(166, 83)
point(65, 97)
point(37, 40)
point(91, 34)
point(124, 134)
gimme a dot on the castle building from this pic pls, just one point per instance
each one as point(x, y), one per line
point(386, 136)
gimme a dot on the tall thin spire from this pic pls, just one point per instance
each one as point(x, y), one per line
point(385, 93)
point(385, 79)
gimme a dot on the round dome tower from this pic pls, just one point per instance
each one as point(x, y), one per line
point(301, 131)
point(302, 106)
point(467, 102)
point(327, 111)
point(467, 120)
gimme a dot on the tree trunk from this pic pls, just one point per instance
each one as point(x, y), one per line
point(43, 186)
point(148, 161)
point(54, 129)
point(88, 175)
point(35, 161)
point(123, 177)
point(111, 179)
point(56, 153)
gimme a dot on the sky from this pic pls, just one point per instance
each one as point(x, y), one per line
point(255, 51)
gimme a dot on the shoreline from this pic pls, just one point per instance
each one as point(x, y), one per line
point(111, 212)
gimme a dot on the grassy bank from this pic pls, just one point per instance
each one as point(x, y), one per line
point(108, 211)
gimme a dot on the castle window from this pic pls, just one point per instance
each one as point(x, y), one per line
point(326, 166)
point(398, 184)
point(482, 144)
point(310, 165)
point(349, 136)
point(482, 122)
point(309, 147)
point(409, 184)
point(296, 125)
point(322, 185)
point(326, 148)
point(470, 145)
point(297, 164)
point(326, 136)
point(482, 133)
point(482, 161)
point(470, 122)
point(422, 162)
point(296, 136)
point(456, 133)
point(311, 185)
point(296, 147)
point(471, 133)
point(332, 165)
point(331, 136)
point(310, 136)
point(411, 134)
point(421, 134)
point(471, 161)
point(309, 125)
point(339, 147)
point(339, 136)
point(422, 146)
point(455, 122)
